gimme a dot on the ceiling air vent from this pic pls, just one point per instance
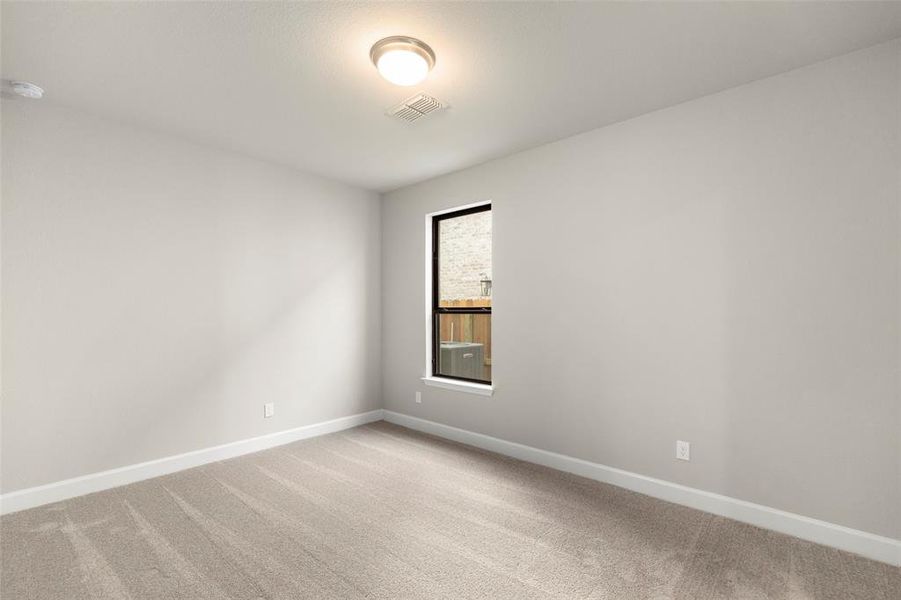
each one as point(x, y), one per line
point(415, 107)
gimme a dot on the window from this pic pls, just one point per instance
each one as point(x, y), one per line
point(461, 294)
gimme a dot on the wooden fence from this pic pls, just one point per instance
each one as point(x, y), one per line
point(468, 328)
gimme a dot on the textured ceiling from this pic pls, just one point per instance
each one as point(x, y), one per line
point(292, 82)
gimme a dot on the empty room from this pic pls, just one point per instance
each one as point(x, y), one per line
point(260, 341)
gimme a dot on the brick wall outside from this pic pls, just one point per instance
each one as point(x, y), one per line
point(464, 255)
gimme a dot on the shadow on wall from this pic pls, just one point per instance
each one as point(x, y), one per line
point(302, 355)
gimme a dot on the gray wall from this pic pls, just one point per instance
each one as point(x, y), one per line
point(157, 293)
point(725, 272)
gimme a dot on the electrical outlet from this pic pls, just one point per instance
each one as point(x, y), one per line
point(418, 397)
point(268, 409)
point(683, 450)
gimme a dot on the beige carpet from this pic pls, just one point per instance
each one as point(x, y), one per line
point(384, 512)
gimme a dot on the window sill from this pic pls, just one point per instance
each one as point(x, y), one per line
point(482, 389)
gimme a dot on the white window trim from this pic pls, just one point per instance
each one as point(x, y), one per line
point(482, 389)
point(469, 387)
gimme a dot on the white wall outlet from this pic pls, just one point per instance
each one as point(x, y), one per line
point(418, 397)
point(268, 409)
point(683, 450)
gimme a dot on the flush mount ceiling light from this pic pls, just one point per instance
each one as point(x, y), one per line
point(402, 60)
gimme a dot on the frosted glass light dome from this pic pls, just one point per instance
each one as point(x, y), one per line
point(402, 60)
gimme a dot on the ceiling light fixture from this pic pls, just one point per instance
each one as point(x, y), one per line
point(26, 90)
point(402, 60)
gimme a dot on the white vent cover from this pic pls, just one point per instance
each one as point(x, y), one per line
point(415, 107)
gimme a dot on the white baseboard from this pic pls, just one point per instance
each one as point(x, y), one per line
point(873, 546)
point(95, 482)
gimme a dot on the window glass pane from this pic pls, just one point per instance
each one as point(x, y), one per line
point(465, 346)
point(464, 260)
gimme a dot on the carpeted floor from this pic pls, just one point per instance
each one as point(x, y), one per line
point(383, 512)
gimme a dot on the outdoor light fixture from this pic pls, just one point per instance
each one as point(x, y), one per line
point(402, 60)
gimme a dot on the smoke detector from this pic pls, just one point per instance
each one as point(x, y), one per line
point(415, 107)
point(25, 89)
